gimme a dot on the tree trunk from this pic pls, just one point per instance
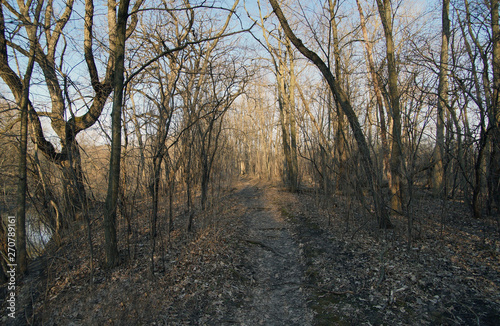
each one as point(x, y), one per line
point(495, 107)
point(294, 180)
point(284, 122)
point(21, 253)
point(205, 178)
point(75, 195)
point(171, 205)
point(378, 93)
point(396, 152)
point(188, 179)
point(111, 247)
point(340, 139)
point(438, 169)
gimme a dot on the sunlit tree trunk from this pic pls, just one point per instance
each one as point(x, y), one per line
point(438, 169)
point(284, 123)
point(112, 258)
point(291, 118)
point(340, 145)
point(377, 90)
point(384, 7)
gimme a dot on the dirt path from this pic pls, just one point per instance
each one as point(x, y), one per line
point(276, 294)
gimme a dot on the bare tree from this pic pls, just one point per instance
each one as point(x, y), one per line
point(22, 98)
point(375, 79)
point(472, 74)
point(112, 258)
point(385, 10)
point(495, 105)
point(283, 59)
point(342, 99)
point(438, 169)
point(50, 56)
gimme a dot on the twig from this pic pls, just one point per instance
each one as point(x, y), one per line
point(255, 242)
point(330, 291)
point(322, 289)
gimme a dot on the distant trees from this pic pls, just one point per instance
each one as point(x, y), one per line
point(178, 107)
point(282, 58)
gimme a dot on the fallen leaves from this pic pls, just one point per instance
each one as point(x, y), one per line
point(447, 277)
point(353, 273)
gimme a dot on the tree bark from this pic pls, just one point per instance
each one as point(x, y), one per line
point(294, 179)
point(438, 169)
point(111, 246)
point(340, 139)
point(495, 106)
point(284, 108)
point(385, 12)
point(23, 102)
point(22, 256)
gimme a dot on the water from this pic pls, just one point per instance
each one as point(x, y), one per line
point(37, 234)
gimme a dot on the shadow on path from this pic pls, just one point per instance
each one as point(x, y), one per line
point(276, 294)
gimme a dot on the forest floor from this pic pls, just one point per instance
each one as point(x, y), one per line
point(264, 256)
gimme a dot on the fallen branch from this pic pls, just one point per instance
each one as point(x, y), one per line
point(263, 245)
point(319, 288)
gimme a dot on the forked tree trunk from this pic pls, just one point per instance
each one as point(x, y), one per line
point(73, 183)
